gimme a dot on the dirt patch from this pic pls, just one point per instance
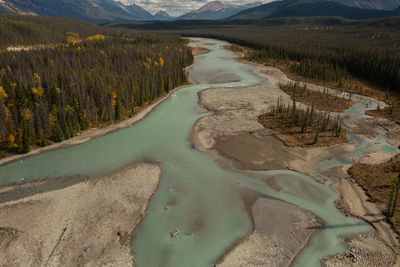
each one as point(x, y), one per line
point(257, 150)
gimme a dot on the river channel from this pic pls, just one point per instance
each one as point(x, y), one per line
point(196, 195)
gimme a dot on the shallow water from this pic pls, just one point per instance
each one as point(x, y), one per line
point(196, 196)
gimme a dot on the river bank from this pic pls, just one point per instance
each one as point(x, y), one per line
point(93, 133)
point(89, 223)
point(96, 132)
point(233, 136)
point(78, 220)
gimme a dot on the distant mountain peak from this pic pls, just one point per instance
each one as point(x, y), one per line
point(162, 15)
point(215, 6)
point(217, 10)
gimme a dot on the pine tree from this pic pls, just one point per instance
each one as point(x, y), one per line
point(58, 133)
point(26, 140)
point(393, 196)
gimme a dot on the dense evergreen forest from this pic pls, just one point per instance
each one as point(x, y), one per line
point(49, 94)
point(34, 30)
point(324, 48)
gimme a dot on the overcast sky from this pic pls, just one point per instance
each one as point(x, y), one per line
point(179, 7)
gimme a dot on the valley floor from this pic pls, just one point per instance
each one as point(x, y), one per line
point(90, 222)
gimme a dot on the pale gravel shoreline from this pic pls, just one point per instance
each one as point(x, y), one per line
point(232, 119)
point(281, 230)
point(87, 213)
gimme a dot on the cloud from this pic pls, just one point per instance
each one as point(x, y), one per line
point(179, 7)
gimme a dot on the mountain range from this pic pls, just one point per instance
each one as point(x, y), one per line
point(311, 8)
point(162, 15)
point(109, 10)
point(90, 10)
point(217, 10)
point(99, 11)
point(371, 4)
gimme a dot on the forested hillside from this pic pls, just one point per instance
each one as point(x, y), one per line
point(49, 94)
point(371, 4)
point(33, 30)
point(333, 52)
point(324, 48)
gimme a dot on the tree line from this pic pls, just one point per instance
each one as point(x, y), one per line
point(49, 95)
point(332, 56)
point(327, 49)
point(33, 30)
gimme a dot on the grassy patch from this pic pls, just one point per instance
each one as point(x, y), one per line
point(303, 128)
point(321, 100)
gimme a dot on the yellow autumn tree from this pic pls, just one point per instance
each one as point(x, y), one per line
point(36, 79)
point(114, 103)
point(11, 140)
point(3, 93)
point(7, 114)
point(52, 120)
point(27, 114)
point(96, 37)
point(38, 90)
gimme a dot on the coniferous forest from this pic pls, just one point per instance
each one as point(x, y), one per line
point(331, 53)
point(322, 48)
point(51, 93)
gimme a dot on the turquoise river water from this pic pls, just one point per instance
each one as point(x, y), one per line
point(196, 195)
